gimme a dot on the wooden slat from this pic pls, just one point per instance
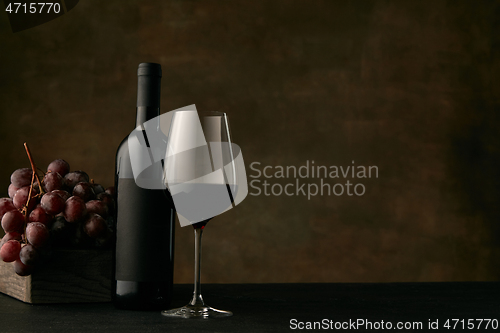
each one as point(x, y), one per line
point(69, 276)
point(13, 284)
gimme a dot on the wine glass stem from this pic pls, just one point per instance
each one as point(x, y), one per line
point(197, 298)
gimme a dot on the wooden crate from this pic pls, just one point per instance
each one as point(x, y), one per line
point(69, 276)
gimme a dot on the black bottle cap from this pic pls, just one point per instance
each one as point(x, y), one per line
point(149, 69)
point(149, 84)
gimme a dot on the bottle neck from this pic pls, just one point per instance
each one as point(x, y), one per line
point(145, 113)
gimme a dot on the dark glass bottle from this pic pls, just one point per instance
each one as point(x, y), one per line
point(145, 219)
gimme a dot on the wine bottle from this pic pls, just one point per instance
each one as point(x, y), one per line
point(145, 219)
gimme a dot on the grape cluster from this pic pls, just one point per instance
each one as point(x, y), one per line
point(62, 209)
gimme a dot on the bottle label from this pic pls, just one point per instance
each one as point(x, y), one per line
point(144, 231)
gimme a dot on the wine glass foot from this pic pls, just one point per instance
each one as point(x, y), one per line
point(203, 312)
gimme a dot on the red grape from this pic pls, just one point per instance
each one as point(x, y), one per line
point(80, 238)
point(9, 236)
point(95, 226)
point(21, 177)
point(53, 181)
point(29, 255)
point(63, 194)
point(13, 221)
point(39, 215)
point(22, 269)
point(97, 207)
point(84, 190)
point(6, 204)
point(12, 190)
point(103, 242)
point(10, 251)
point(37, 234)
point(98, 188)
point(75, 177)
point(74, 209)
point(60, 166)
point(108, 200)
point(52, 203)
point(111, 191)
point(21, 198)
point(62, 231)
point(110, 222)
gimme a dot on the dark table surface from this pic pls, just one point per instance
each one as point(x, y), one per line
point(272, 307)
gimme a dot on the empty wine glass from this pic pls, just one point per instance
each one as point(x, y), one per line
point(205, 176)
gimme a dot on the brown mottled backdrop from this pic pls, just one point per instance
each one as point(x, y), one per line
point(409, 86)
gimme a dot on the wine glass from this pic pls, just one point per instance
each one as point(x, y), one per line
point(204, 174)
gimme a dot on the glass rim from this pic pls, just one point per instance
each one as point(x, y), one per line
point(211, 113)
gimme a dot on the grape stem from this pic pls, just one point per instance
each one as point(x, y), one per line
point(33, 176)
point(26, 220)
